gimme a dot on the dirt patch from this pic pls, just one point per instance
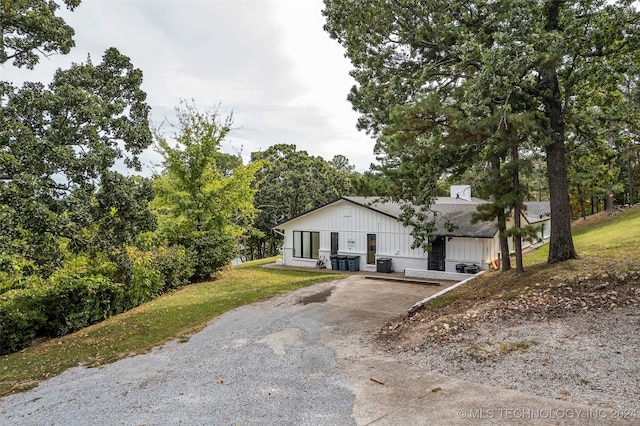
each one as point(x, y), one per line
point(317, 297)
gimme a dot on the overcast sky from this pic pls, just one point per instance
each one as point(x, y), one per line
point(267, 60)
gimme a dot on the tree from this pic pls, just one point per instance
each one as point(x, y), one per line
point(30, 26)
point(290, 182)
point(370, 184)
point(203, 198)
point(526, 56)
point(57, 150)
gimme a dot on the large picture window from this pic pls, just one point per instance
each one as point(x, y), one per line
point(306, 244)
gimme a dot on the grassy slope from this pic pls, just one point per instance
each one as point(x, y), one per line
point(172, 316)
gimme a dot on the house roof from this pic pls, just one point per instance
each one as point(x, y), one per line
point(457, 211)
point(536, 211)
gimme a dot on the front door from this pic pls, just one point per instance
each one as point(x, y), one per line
point(437, 255)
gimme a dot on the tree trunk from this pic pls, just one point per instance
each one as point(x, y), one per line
point(517, 240)
point(608, 201)
point(504, 243)
point(581, 199)
point(630, 174)
point(561, 242)
point(504, 253)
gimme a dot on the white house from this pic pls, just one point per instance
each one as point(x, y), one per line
point(368, 232)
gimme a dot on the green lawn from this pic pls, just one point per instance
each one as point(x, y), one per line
point(613, 238)
point(172, 316)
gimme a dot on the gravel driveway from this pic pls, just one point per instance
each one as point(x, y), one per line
point(266, 363)
point(304, 358)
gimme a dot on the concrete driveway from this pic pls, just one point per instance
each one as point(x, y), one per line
point(306, 357)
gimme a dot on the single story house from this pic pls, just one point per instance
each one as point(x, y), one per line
point(368, 229)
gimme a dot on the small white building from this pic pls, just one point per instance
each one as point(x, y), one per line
point(368, 232)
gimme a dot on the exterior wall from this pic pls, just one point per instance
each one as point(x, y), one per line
point(545, 233)
point(353, 223)
point(479, 251)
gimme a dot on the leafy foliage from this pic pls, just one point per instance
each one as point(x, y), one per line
point(57, 151)
point(30, 27)
point(290, 182)
point(204, 198)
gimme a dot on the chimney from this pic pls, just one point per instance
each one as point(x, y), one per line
point(461, 192)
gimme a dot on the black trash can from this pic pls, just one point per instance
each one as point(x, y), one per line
point(472, 269)
point(335, 265)
point(344, 265)
point(383, 265)
point(460, 267)
point(354, 263)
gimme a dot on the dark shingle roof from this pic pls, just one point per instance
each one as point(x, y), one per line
point(536, 211)
point(457, 211)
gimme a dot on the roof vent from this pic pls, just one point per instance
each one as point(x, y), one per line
point(461, 191)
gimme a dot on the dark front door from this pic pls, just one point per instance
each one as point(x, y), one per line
point(437, 255)
point(334, 243)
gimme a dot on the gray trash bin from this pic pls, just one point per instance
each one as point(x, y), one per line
point(344, 265)
point(335, 264)
point(354, 263)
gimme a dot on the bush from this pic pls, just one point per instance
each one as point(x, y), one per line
point(175, 266)
point(74, 303)
point(85, 291)
point(20, 320)
point(145, 282)
point(210, 253)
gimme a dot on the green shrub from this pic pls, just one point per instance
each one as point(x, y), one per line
point(18, 281)
point(74, 303)
point(84, 291)
point(210, 253)
point(83, 265)
point(145, 282)
point(175, 266)
point(20, 320)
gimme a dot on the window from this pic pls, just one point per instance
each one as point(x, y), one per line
point(306, 244)
point(371, 249)
point(334, 243)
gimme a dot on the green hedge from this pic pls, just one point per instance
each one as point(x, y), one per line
point(20, 319)
point(81, 294)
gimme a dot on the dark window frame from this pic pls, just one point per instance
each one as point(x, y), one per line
point(299, 244)
point(335, 243)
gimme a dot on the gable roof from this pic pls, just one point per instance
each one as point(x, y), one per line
point(454, 210)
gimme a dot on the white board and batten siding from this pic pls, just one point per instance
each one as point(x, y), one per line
point(353, 223)
point(470, 251)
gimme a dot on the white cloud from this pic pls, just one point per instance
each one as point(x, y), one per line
point(269, 61)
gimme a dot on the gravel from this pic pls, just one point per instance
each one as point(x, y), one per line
point(586, 351)
point(255, 365)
